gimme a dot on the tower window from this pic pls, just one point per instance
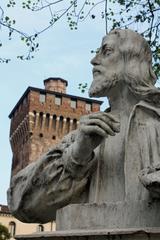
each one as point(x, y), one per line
point(88, 106)
point(40, 228)
point(12, 229)
point(58, 100)
point(74, 124)
point(42, 98)
point(47, 120)
point(40, 119)
point(67, 125)
point(54, 122)
point(73, 103)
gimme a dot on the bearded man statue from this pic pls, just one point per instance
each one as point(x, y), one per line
point(110, 165)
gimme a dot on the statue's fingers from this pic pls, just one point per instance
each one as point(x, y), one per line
point(113, 124)
point(104, 116)
point(102, 125)
point(87, 129)
point(111, 117)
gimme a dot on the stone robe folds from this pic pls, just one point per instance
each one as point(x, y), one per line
point(57, 180)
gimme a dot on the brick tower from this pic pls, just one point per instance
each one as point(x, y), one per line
point(42, 117)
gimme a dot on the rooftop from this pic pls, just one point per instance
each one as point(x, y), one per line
point(4, 209)
point(56, 79)
point(51, 92)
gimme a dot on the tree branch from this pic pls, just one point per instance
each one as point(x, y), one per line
point(92, 9)
point(45, 6)
point(152, 21)
point(65, 11)
point(106, 12)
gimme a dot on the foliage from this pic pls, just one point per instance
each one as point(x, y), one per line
point(4, 234)
point(83, 87)
point(140, 15)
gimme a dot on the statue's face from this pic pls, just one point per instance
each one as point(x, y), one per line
point(107, 67)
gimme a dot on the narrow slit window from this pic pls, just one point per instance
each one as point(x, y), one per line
point(42, 98)
point(88, 106)
point(73, 103)
point(58, 100)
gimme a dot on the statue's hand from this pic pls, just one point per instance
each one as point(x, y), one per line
point(99, 123)
point(92, 130)
point(150, 178)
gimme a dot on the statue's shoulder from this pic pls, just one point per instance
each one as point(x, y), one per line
point(150, 107)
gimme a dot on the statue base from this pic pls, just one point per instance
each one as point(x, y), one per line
point(119, 215)
point(103, 234)
point(139, 220)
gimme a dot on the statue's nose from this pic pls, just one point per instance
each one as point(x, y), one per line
point(95, 60)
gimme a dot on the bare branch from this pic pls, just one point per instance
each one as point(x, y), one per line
point(152, 21)
point(49, 26)
point(78, 15)
point(45, 6)
point(14, 29)
point(2, 12)
point(105, 13)
point(92, 9)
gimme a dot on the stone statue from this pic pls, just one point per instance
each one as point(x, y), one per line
point(114, 156)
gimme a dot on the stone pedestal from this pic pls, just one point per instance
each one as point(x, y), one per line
point(138, 220)
point(103, 234)
point(119, 215)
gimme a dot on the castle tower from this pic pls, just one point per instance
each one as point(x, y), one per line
point(42, 117)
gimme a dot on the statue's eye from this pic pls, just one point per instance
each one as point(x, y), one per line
point(106, 50)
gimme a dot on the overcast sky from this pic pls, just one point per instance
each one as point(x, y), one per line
point(63, 53)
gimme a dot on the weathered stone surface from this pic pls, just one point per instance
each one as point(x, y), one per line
point(103, 234)
point(118, 215)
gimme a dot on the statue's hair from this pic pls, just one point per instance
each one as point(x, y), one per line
point(137, 57)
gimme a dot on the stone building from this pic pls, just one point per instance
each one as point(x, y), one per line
point(16, 227)
point(42, 117)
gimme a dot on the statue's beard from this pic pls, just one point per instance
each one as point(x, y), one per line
point(101, 86)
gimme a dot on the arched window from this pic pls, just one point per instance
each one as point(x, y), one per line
point(40, 228)
point(12, 229)
point(47, 120)
point(40, 119)
point(67, 125)
point(74, 124)
point(54, 122)
point(60, 125)
point(34, 118)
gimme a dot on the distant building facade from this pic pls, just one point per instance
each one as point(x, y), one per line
point(16, 227)
point(42, 117)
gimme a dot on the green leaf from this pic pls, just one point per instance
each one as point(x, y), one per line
point(6, 18)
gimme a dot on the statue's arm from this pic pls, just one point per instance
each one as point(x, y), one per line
point(50, 183)
point(62, 174)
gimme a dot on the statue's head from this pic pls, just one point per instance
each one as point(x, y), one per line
point(123, 56)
